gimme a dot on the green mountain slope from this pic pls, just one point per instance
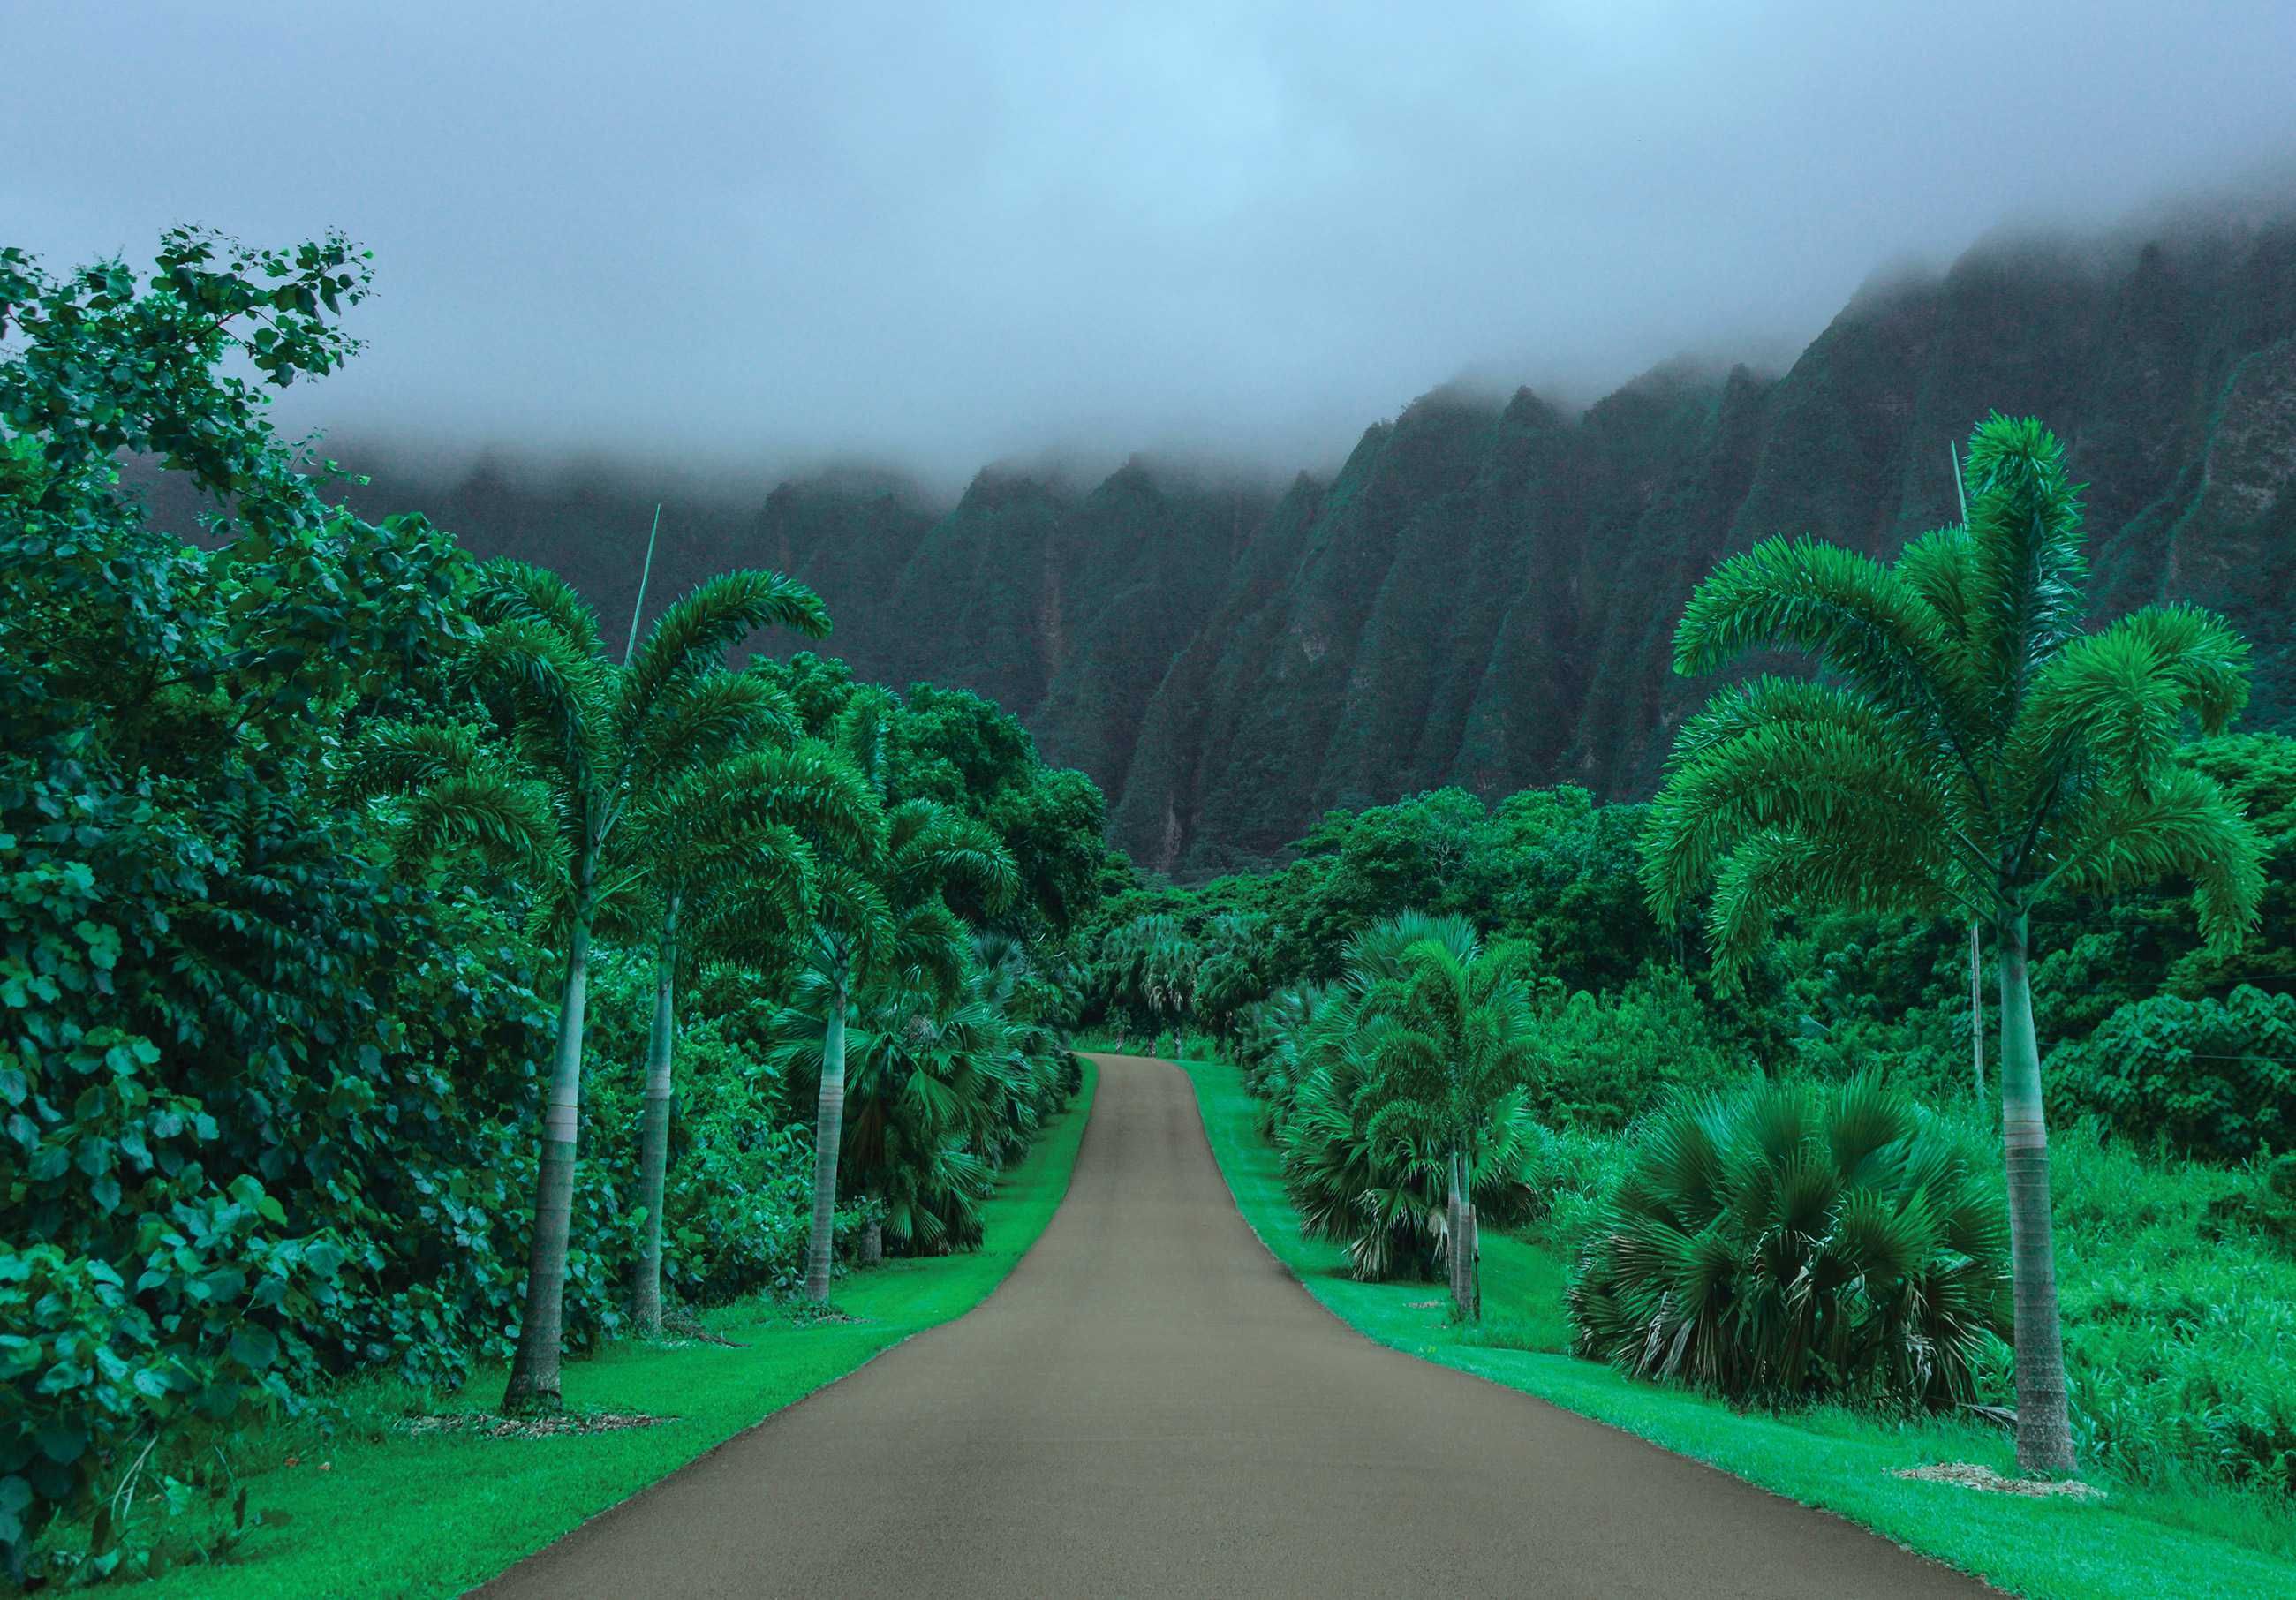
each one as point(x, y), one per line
point(1485, 592)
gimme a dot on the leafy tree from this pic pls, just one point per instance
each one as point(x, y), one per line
point(1971, 749)
point(2258, 772)
point(2215, 1079)
point(207, 978)
point(1608, 1058)
point(972, 756)
point(607, 739)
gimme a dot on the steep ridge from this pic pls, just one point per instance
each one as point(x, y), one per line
point(1485, 593)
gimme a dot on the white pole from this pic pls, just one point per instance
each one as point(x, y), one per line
point(645, 572)
point(1976, 969)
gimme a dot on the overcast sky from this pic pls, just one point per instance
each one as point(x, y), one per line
point(937, 235)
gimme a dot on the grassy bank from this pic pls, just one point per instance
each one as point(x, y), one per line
point(375, 1512)
point(2132, 1544)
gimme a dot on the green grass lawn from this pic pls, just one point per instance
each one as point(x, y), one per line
point(392, 1515)
point(2131, 1544)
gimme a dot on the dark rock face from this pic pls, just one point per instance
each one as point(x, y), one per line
point(1485, 594)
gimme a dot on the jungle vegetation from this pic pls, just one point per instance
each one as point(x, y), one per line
point(402, 979)
point(396, 979)
point(1735, 1071)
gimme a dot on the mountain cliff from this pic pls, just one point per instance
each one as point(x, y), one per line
point(1484, 594)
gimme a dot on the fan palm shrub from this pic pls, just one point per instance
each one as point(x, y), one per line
point(1967, 750)
point(927, 1077)
point(1151, 966)
point(1783, 1243)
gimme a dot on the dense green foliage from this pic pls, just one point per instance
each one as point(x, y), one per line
point(2215, 1078)
point(306, 825)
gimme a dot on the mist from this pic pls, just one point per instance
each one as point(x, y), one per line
point(754, 240)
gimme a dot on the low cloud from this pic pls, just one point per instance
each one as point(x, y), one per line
point(748, 239)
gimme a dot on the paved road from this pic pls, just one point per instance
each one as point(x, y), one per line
point(1151, 1406)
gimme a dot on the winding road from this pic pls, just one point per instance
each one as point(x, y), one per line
point(1151, 1406)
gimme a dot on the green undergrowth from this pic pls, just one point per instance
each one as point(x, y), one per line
point(378, 1512)
point(2134, 1544)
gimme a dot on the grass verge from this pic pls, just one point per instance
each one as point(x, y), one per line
point(2131, 1545)
point(395, 1516)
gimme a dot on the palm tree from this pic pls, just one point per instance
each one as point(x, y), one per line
point(604, 738)
point(882, 919)
point(931, 1080)
point(1967, 750)
point(1782, 1244)
point(1449, 1072)
point(448, 792)
point(1389, 1190)
point(730, 863)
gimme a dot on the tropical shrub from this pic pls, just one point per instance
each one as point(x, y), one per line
point(2216, 1079)
point(1782, 1244)
point(941, 1090)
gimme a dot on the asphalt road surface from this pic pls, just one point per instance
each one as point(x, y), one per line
point(1151, 1406)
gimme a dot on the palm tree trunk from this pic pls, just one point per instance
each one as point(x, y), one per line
point(829, 1129)
point(1455, 1246)
point(2043, 1430)
point(654, 1138)
point(1976, 1015)
point(534, 1381)
point(1471, 1280)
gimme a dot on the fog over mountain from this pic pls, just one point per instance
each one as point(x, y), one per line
point(755, 238)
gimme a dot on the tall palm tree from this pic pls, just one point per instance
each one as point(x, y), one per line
point(604, 737)
point(1968, 749)
point(882, 919)
point(729, 852)
point(1449, 1076)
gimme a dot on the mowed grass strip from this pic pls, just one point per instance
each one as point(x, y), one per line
point(2130, 1545)
point(414, 1517)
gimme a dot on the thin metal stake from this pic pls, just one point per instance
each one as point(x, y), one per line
point(630, 648)
point(1976, 971)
